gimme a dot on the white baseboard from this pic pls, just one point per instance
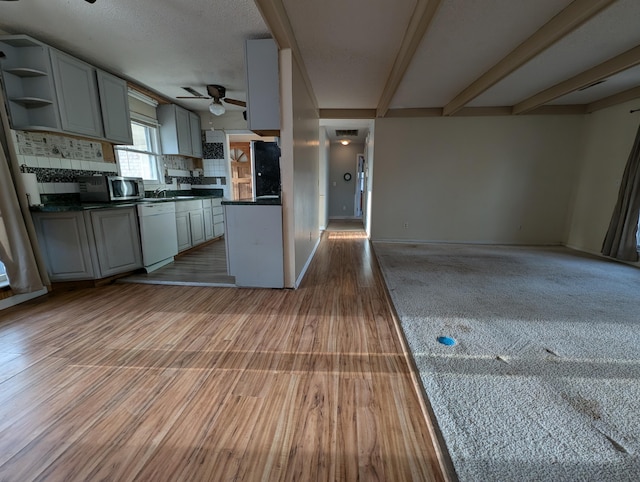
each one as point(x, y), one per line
point(17, 299)
point(306, 265)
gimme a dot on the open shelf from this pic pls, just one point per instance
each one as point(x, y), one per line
point(31, 101)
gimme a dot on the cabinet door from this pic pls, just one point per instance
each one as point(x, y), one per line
point(196, 219)
point(175, 130)
point(208, 223)
point(117, 240)
point(184, 230)
point(77, 94)
point(64, 244)
point(184, 132)
point(263, 85)
point(114, 102)
point(218, 229)
point(196, 134)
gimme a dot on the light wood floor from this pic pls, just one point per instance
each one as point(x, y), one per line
point(182, 383)
point(203, 266)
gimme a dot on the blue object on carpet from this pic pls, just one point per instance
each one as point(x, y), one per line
point(446, 340)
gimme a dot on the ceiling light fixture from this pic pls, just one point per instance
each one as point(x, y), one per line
point(216, 108)
point(344, 142)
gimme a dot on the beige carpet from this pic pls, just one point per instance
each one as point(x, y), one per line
point(543, 382)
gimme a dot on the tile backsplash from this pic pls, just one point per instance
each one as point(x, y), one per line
point(58, 161)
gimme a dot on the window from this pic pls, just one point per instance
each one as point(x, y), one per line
point(141, 158)
point(4, 281)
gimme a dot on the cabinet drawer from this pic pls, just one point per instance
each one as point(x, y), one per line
point(217, 210)
point(190, 205)
point(218, 218)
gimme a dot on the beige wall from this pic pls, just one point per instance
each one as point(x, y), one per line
point(323, 185)
point(609, 137)
point(475, 179)
point(299, 165)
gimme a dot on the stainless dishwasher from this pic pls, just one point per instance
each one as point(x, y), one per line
point(158, 234)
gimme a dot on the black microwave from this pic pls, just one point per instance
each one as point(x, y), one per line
point(110, 188)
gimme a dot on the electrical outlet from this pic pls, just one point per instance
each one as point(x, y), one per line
point(406, 225)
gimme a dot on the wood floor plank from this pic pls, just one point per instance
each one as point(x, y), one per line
point(157, 382)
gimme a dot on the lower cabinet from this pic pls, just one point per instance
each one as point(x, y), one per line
point(117, 240)
point(184, 229)
point(81, 245)
point(208, 220)
point(217, 212)
point(190, 223)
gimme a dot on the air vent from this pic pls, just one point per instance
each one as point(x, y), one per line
point(347, 132)
point(592, 85)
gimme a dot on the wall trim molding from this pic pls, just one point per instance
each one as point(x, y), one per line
point(308, 263)
point(21, 298)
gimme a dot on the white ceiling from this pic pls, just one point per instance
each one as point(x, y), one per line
point(357, 54)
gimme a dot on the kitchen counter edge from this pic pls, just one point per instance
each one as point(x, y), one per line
point(67, 207)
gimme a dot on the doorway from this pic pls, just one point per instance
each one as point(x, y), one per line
point(360, 186)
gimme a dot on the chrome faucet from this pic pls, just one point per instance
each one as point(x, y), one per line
point(160, 192)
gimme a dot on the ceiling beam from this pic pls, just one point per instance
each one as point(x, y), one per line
point(624, 61)
point(420, 20)
point(574, 15)
point(615, 99)
point(347, 113)
point(277, 20)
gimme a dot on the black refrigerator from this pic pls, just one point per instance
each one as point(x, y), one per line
point(266, 156)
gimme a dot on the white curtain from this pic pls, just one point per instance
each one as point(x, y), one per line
point(19, 251)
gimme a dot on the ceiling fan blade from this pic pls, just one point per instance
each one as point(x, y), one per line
point(240, 103)
point(201, 97)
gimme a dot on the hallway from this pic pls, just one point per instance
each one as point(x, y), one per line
point(152, 382)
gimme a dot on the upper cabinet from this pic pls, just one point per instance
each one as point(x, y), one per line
point(77, 92)
point(196, 134)
point(263, 86)
point(114, 104)
point(179, 131)
point(50, 90)
point(28, 84)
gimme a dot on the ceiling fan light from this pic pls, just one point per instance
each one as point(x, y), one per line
point(216, 108)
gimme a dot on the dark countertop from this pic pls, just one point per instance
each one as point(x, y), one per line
point(255, 201)
point(59, 207)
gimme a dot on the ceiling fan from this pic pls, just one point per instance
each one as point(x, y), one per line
point(217, 93)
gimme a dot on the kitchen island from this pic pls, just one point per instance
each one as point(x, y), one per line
point(254, 241)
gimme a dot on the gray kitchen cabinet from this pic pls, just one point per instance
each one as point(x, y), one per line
point(196, 134)
point(196, 224)
point(28, 84)
point(85, 245)
point(117, 240)
point(208, 219)
point(114, 104)
point(263, 86)
point(65, 245)
point(175, 130)
point(49, 90)
point(190, 223)
point(184, 230)
point(77, 94)
point(217, 212)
